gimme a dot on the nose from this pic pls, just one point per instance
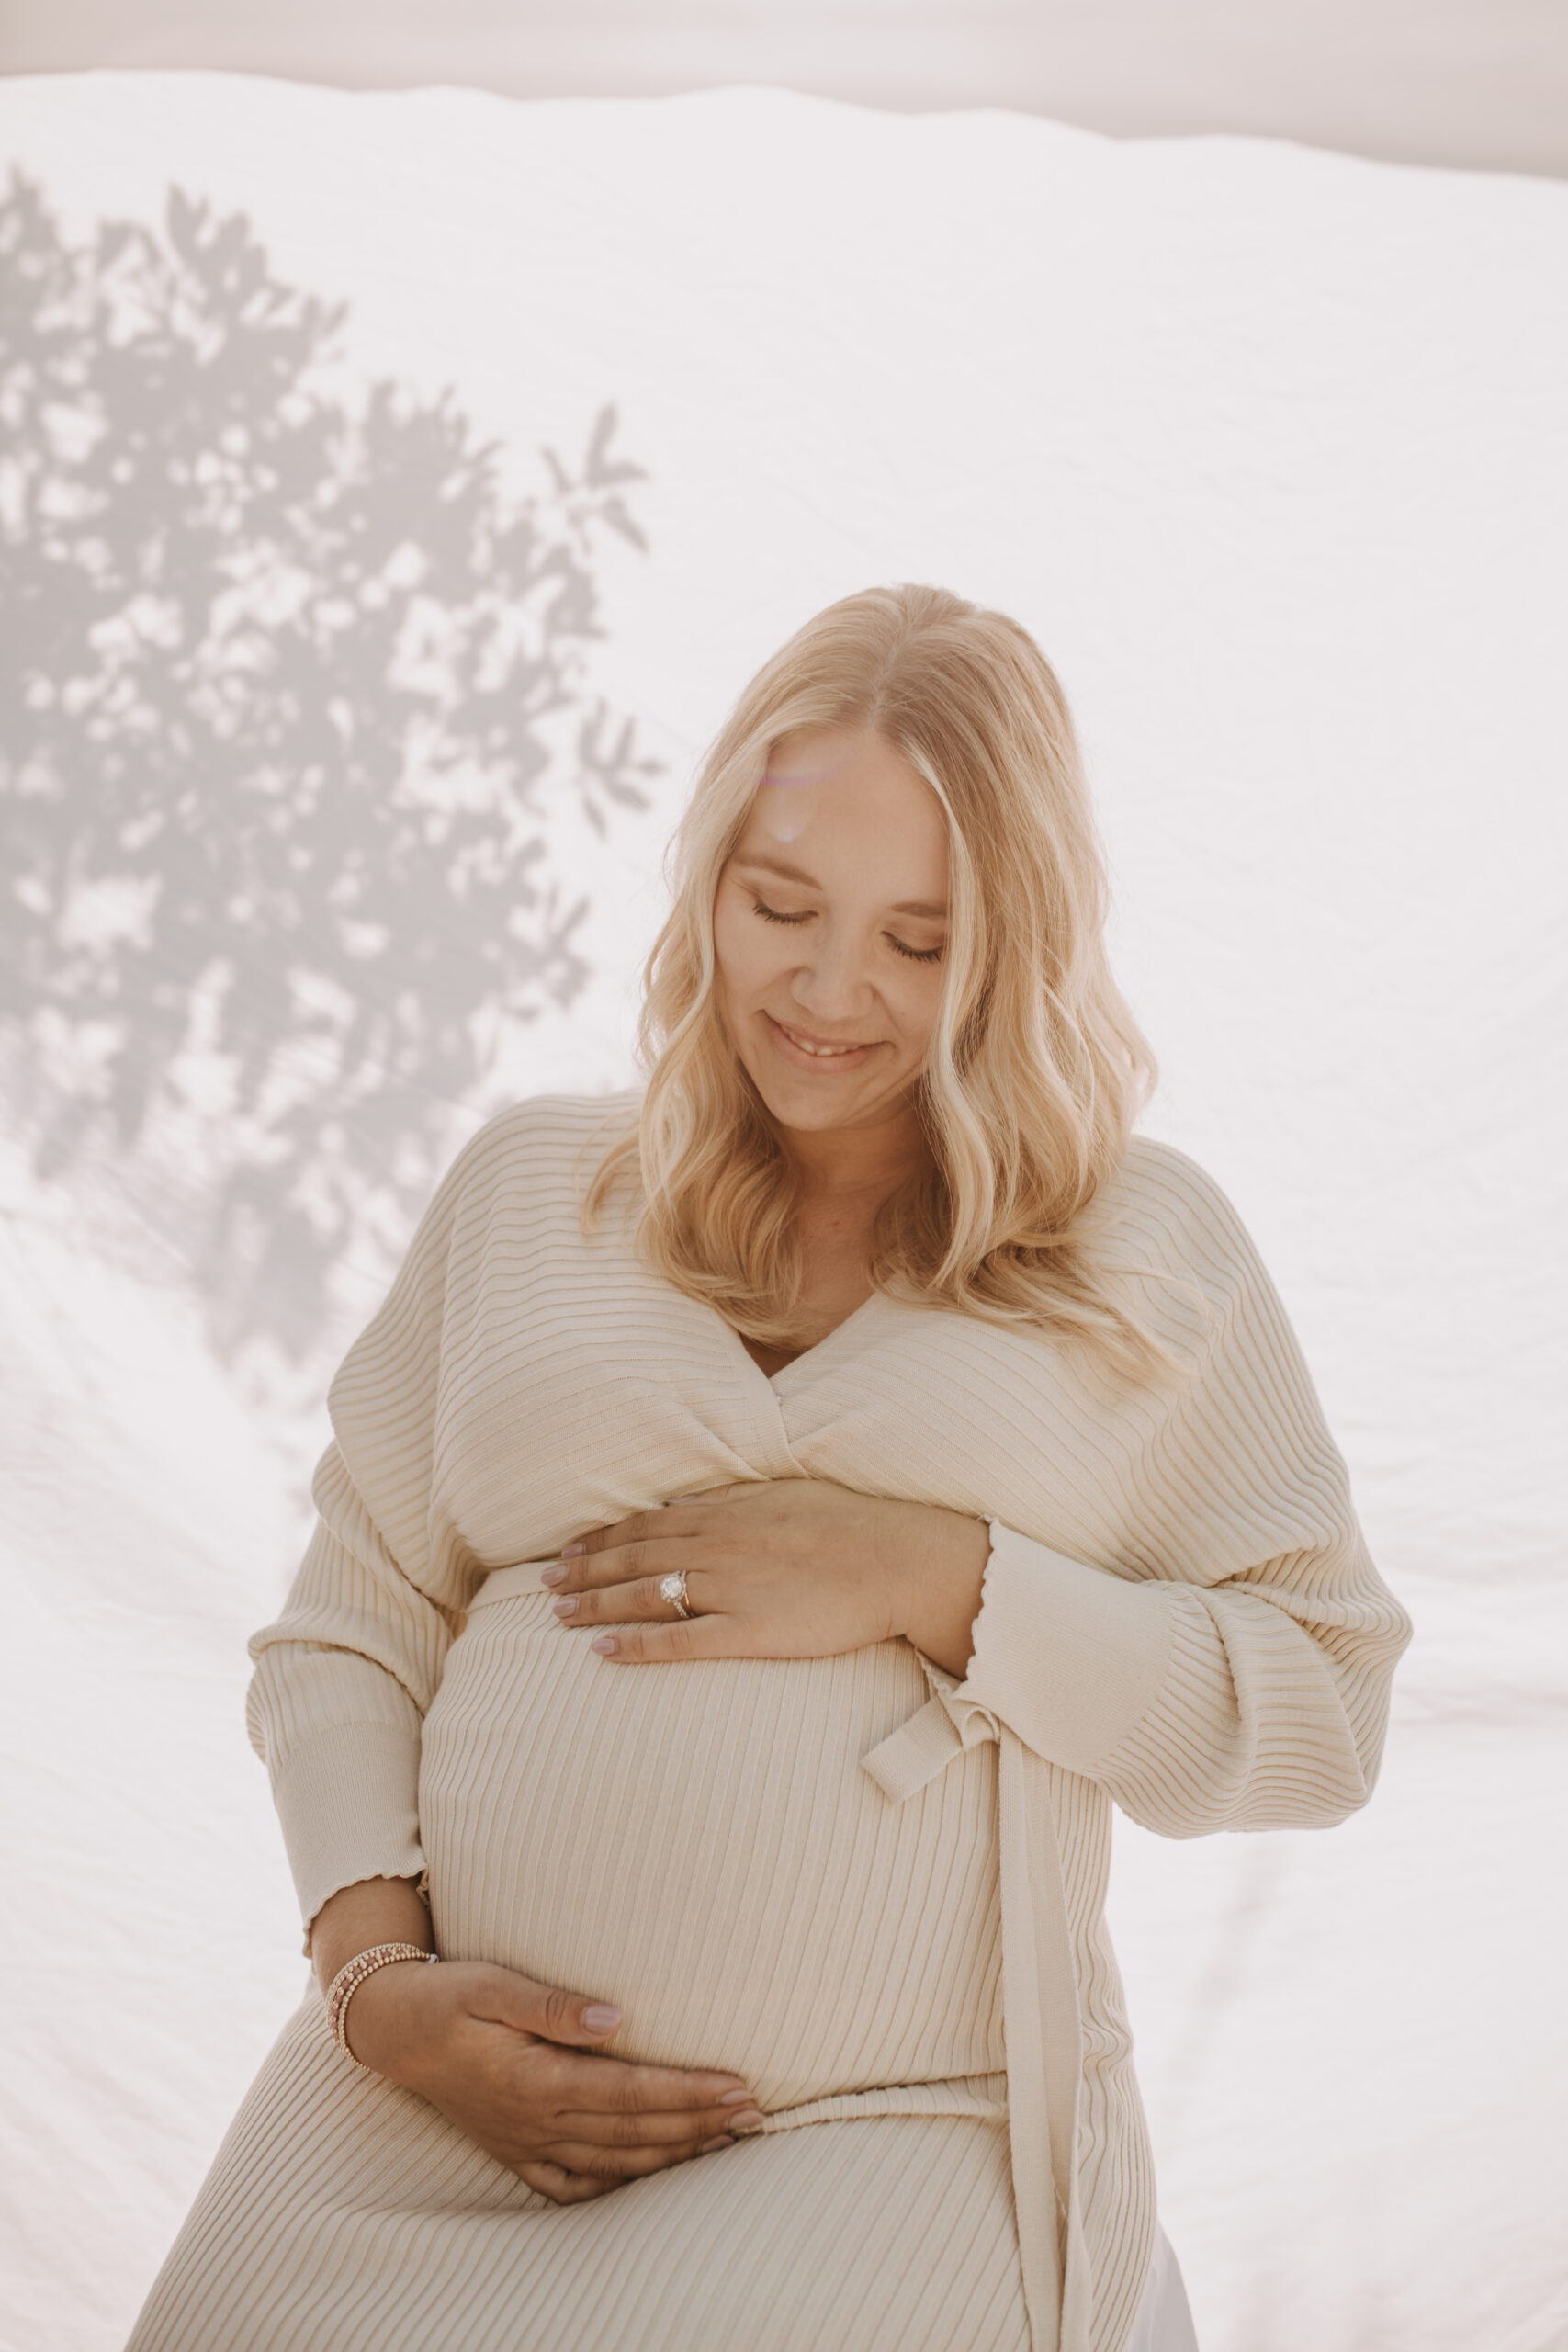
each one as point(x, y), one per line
point(831, 982)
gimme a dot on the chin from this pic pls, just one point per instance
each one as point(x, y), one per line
point(798, 1105)
point(790, 1106)
point(812, 1110)
point(810, 1117)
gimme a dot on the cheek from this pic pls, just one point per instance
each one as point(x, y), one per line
point(741, 957)
point(749, 953)
point(728, 942)
point(917, 1001)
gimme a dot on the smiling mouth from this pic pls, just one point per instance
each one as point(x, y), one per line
point(818, 1050)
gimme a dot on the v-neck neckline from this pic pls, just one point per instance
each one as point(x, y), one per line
point(808, 1356)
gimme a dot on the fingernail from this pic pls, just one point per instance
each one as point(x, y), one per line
point(571, 1551)
point(736, 2099)
point(708, 2146)
point(600, 2016)
point(552, 1575)
point(748, 2121)
point(603, 1643)
point(566, 1606)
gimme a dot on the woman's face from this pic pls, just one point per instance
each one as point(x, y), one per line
point(829, 925)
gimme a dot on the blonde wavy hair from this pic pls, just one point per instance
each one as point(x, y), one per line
point(1036, 1069)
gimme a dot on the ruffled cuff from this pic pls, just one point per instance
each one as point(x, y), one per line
point(1070, 1658)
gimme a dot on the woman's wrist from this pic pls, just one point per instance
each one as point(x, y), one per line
point(357, 1973)
point(941, 1576)
point(371, 1911)
point(383, 2021)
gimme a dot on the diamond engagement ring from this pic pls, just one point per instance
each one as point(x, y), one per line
point(672, 1588)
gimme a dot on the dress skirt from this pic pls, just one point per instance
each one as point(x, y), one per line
point(345, 2215)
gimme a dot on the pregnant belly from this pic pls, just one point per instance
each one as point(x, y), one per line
point(699, 1844)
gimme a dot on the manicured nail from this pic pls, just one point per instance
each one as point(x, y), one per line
point(566, 1606)
point(708, 2146)
point(600, 2016)
point(736, 2099)
point(552, 1575)
point(749, 2120)
point(605, 1644)
point(571, 1551)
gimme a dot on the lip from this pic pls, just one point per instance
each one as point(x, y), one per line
point(799, 1057)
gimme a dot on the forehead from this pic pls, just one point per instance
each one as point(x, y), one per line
point(853, 803)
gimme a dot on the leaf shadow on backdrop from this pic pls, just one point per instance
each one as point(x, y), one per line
point(291, 690)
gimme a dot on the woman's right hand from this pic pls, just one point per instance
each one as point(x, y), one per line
point(518, 2068)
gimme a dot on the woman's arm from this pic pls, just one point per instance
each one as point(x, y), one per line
point(336, 1705)
point(344, 1678)
point(1241, 1677)
point(1259, 1702)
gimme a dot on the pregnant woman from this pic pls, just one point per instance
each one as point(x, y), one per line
point(771, 1522)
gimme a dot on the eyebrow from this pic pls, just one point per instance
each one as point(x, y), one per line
point(787, 873)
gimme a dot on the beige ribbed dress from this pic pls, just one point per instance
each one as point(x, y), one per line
point(874, 1893)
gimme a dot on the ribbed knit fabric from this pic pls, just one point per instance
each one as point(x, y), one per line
point(877, 1894)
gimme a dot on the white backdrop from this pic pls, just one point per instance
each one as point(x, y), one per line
point(1267, 447)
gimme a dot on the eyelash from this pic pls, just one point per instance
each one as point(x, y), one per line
point(913, 954)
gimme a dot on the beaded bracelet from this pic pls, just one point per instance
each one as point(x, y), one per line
point(349, 1979)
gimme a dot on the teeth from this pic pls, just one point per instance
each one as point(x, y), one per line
point(821, 1053)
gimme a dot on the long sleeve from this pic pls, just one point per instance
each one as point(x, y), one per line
point(344, 1676)
point(1236, 1675)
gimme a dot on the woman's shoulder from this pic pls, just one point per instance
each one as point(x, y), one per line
point(1177, 1217)
point(518, 1181)
point(541, 1145)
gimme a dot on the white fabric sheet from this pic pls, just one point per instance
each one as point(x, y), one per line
point(1267, 447)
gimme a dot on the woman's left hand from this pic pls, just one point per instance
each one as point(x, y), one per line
point(791, 1567)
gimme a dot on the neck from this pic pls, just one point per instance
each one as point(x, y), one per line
point(845, 1164)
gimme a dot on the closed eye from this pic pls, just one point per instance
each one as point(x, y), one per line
point(772, 914)
point(912, 954)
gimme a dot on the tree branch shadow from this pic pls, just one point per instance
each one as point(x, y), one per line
point(291, 690)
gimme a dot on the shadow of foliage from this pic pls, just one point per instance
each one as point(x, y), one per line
point(290, 689)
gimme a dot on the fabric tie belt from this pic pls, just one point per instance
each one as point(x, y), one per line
point(1040, 2002)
